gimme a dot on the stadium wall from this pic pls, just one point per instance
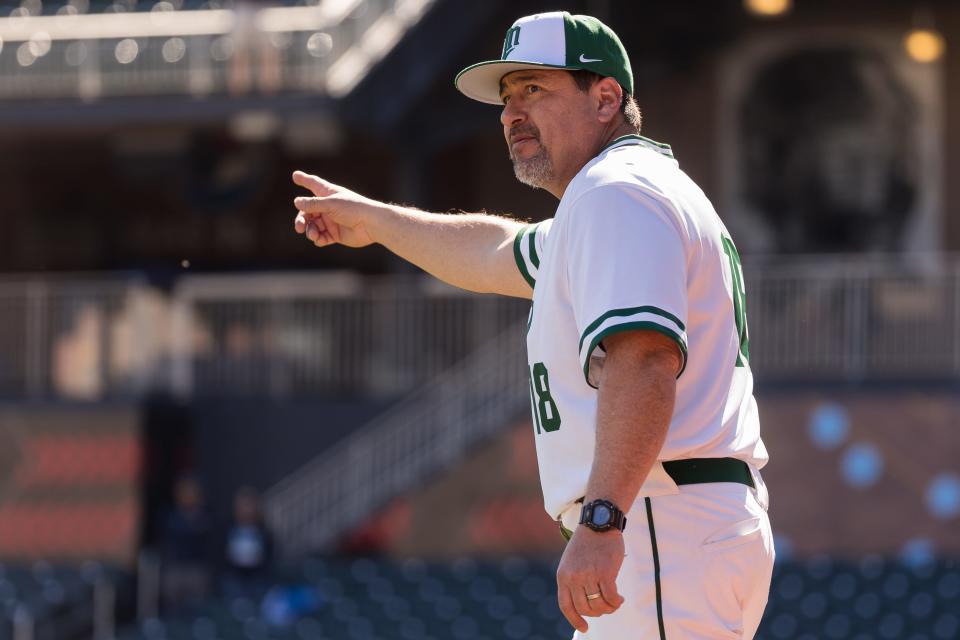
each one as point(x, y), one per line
point(852, 472)
point(70, 482)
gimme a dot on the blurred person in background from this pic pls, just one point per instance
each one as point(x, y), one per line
point(249, 545)
point(185, 547)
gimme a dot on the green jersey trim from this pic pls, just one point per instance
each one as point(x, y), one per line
point(640, 325)
point(659, 147)
point(656, 567)
point(632, 311)
point(518, 254)
point(534, 258)
point(528, 264)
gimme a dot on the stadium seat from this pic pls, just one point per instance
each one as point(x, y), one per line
point(470, 599)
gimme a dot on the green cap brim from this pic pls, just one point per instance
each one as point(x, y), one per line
point(481, 81)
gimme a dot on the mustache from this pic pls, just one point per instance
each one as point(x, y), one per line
point(524, 131)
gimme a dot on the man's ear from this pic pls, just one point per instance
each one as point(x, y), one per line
point(609, 95)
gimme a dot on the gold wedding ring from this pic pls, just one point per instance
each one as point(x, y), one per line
point(593, 596)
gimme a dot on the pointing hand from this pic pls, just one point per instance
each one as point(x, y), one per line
point(334, 215)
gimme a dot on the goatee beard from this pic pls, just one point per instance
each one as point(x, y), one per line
point(536, 172)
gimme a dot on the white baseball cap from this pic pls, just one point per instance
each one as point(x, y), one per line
point(555, 40)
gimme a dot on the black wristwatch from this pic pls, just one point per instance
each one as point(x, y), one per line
point(603, 515)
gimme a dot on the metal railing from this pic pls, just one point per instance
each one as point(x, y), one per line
point(426, 432)
point(286, 335)
point(322, 49)
point(294, 334)
point(855, 320)
point(79, 338)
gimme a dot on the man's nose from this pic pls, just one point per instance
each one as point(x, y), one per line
point(512, 115)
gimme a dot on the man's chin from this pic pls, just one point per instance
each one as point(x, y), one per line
point(531, 174)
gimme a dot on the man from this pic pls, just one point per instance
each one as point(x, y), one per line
point(185, 546)
point(639, 373)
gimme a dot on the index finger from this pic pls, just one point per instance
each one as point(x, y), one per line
point(565, 600)
point(317, 185)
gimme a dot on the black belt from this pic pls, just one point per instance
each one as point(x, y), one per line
point(698, 471)
point(702, 470)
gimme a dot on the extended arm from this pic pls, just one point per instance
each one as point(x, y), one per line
point(470, 251)
point(634, 407)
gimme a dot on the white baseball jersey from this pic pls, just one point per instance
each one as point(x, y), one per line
point(635, 244)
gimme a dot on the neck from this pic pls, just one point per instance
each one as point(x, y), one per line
point(606, 135)
point(623, 129)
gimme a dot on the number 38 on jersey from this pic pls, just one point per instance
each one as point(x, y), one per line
point(545, 413)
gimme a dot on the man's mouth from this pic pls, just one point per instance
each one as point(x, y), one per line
point(521, 138)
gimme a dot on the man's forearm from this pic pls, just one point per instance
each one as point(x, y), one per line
point(472, 251)
point(635, 405)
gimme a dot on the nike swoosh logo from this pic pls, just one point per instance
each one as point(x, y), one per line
point(582, 59)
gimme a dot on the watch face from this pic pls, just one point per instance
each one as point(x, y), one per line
point(601, 515)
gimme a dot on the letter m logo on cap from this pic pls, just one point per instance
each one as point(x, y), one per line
point(510, 42)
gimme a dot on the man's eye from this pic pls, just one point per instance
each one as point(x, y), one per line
point(532, 88)
point(505, 99)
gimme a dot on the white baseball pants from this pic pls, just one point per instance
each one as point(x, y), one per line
point(698, 566)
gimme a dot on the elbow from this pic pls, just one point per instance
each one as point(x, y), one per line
point(644, 354)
